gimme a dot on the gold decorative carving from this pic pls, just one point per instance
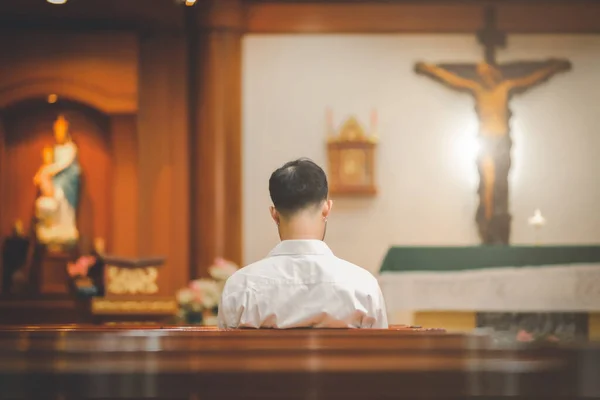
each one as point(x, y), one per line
point(104, 306)
point(132, 280)
point(351, 154)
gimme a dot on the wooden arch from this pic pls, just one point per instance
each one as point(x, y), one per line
point(94, 96)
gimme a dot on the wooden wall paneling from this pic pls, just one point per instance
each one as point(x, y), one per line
point(216, 136)
point(180, 165)
point(98, 69)
point(163, 211)
point(124, 219)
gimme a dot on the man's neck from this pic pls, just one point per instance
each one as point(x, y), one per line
point(301, 229)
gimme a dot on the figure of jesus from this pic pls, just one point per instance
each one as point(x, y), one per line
point(492, 91)
point(43, 178)
point(45, 205)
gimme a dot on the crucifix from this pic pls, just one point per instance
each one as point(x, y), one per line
point(492, 85)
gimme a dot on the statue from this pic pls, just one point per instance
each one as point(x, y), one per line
point(492, 86)
point(58, 181)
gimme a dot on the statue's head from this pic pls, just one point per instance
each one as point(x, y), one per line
point(489, 74)
point(61, 130)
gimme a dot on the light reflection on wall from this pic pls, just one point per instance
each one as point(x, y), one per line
point(465, 149)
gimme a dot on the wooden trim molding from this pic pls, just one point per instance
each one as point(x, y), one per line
point(362, 18)
point(576, 16)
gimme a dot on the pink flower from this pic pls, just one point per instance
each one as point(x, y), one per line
point(197, 297)
point(524, 336)
point(220, 261)
point(222, 269)
point(81, 266)
point(196, 286)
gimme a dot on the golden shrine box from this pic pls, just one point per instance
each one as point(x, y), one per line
point(132, 292)
point(351, 159)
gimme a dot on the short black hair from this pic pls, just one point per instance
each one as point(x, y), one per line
point(298, 185)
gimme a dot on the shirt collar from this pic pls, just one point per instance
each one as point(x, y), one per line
point(300, 247)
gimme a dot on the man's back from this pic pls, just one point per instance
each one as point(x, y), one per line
point(302, 284)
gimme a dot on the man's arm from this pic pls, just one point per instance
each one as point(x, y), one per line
point(238, 309)
point(381, 320)
point(445, 76)
point(222, 315)
point(377, 311)
point(553, 67)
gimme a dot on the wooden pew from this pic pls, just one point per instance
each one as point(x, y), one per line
point(175, 362)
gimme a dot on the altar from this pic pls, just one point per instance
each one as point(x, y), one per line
point(463, 281)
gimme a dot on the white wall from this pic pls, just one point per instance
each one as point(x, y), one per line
point(426, 159)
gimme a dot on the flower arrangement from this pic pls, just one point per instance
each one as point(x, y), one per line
point(524, 336)
point(199, 301)
point(78, 272)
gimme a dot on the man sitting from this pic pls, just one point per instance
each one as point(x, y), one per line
point(301, 283)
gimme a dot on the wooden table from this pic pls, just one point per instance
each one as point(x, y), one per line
point(71, 362)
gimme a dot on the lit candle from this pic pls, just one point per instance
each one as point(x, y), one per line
point(537, 221)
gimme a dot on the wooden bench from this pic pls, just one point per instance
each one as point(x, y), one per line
point(179, 362)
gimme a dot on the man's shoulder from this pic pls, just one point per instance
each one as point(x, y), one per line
point(330, 269)
point(243, 275)
point(356, 271)
point(255, 267)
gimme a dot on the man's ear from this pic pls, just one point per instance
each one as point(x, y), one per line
point(327, 205)
point(274, 214)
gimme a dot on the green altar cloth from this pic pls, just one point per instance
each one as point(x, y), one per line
point(405, 259)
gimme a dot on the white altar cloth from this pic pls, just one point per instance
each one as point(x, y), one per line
point(566, 288)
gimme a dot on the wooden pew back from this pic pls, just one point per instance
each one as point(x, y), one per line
point(175, 362)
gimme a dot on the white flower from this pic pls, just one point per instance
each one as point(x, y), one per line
point(222, 269)
point(206, 293)
point(184, 296)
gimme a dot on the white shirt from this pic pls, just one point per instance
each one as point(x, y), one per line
point(302, 284)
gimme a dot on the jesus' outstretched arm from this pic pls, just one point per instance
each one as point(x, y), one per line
point(445, 76)
point(551, 68)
